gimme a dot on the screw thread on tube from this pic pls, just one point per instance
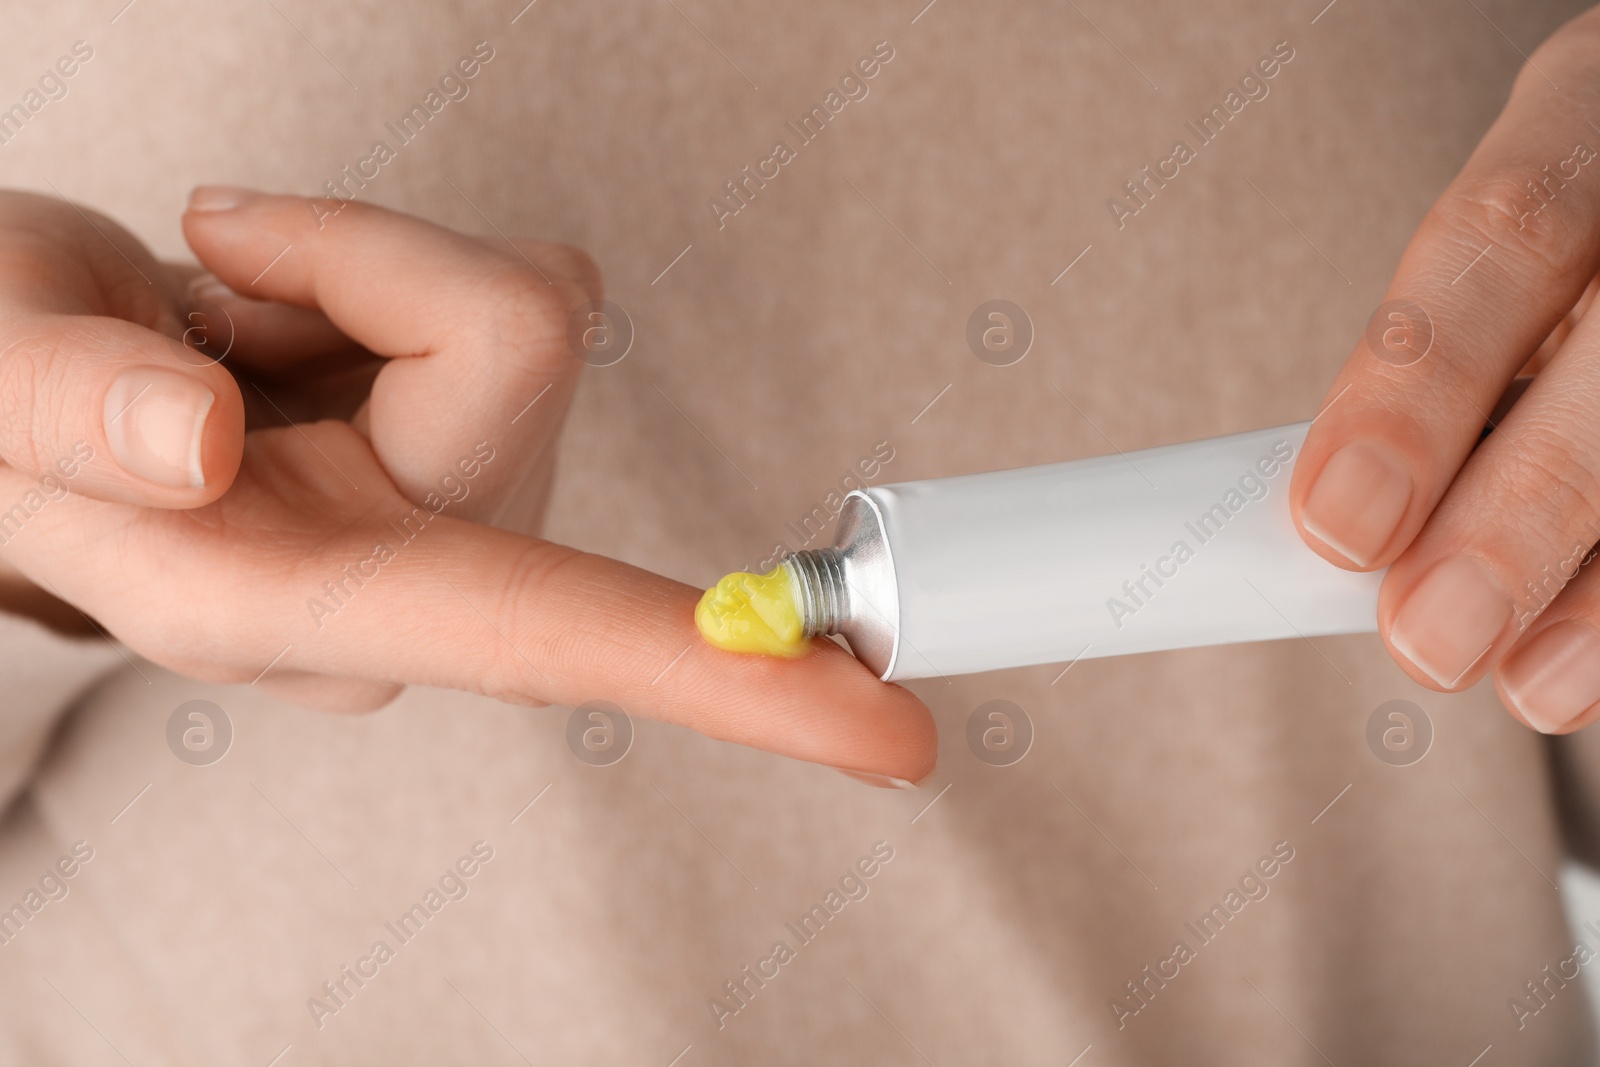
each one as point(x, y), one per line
point(824, 598)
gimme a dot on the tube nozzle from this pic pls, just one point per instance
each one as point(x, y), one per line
point(821, 593)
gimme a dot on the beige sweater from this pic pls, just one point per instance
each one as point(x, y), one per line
point(1200, 861)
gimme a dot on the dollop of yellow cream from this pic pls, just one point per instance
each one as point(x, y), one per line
point(752, 613)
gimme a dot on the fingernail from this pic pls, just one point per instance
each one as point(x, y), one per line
point(219, 197)
point(1450, 620)
point(1358, 500)
point(1556, 677)
point(208, 286)
point(155, 420)
point(882, 781)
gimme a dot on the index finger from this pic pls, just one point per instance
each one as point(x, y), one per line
point(475, 334)
point(539, 621)
point(366, 585)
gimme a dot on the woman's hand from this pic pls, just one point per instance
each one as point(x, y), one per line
point(347, 511)
point(1485, 541)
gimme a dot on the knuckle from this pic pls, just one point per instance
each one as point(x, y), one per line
point(526, 310)
point(572, 270)
point(1571, 46)
point(523, 301)
point(25, 396)
point(1550, 487)
point(578, 267)
point(522, 667)
point(1499, 210)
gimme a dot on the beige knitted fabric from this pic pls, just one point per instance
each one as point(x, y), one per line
point(230, 914)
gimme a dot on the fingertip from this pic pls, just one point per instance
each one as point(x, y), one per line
point(877, 781)
point(222, 441)
point(823, 706)
point(216, 199)
point(258, 333)
point(854, 721)
point(176, 433)
point(1447, 626)
point(207, 287)
point(1355, 505)
point(228, 240)
point(1551, 680)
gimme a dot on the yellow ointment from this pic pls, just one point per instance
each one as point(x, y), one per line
point(753, 613)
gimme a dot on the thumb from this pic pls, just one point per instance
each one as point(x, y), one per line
point(118, 412)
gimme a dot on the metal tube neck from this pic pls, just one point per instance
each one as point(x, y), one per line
point(824, 598)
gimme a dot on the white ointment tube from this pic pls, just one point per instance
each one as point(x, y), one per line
point(1164, 548)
